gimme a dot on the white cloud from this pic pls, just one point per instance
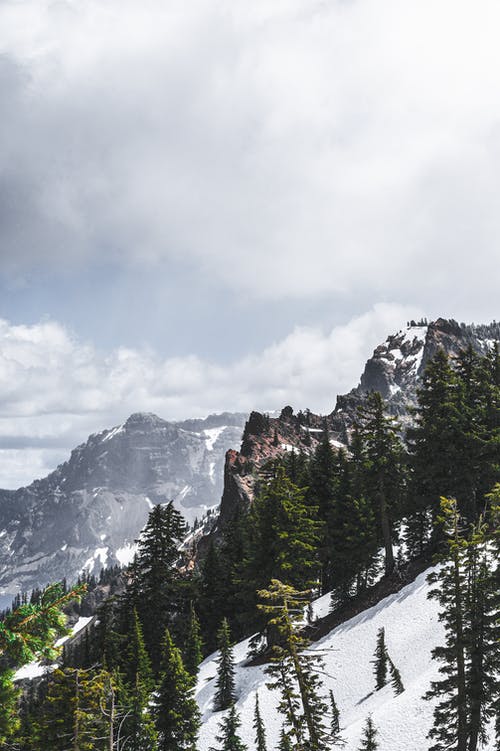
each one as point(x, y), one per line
point(56, 389)
point(286, 148)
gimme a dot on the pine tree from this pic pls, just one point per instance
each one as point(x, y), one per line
point(193, 654)
point(157, 554)
point(369, 742)
point(335, 721)
point(225, 688)
point(175, 710)
point(138, 725)
point(285, 744)
point(258, 726)
point(228, 728)
point(450, 714)
point(381, 660)
point(396, 680)
point(9, 697)
point(292, 671)
point(383, 462)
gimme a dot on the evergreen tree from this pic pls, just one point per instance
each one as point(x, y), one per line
point(285, 744)
point(383, 466)
point(175, 710)
point(467, 591)
point(225, 693)
point(335, 721)
point(9, 697)
point(193, 647)
point(138, 725)
point(228, 728)
point(155, 574)
point(369, 740)
point(396, 680)
point(381, 660)
point(294, 672)
point(258, 726)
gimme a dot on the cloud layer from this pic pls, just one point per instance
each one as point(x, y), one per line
point(288, 148)
point(56, 389)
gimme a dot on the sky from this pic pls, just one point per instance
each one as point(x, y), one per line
point(227, 204)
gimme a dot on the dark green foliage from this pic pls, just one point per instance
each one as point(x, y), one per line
point(369, 740)
point(9, 697)
point(229, 739)
point(258, 726)
point(396, 681)
point(383, 468)
point(193, 654)
point(335, 715)
point(285, 744)
point(468, 593)
point(381, 661)
point(225, 695)
point(175, 710)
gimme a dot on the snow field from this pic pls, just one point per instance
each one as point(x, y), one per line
point(412, 630)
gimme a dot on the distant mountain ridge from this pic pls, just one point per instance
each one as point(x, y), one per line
point(88, 512)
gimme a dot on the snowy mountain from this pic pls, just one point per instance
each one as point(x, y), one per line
point(88, 512)
point(412, 630)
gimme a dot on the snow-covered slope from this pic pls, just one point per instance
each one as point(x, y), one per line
point(412, 630)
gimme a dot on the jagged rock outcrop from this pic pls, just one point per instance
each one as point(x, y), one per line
point(394, 369)
point(88, 512)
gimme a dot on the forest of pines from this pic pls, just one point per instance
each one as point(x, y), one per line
point(330, 521)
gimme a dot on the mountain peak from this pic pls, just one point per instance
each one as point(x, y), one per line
point(148, 419)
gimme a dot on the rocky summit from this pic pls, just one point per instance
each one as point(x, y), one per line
point(89, 511)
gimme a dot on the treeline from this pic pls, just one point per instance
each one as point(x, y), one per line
point(330, 521)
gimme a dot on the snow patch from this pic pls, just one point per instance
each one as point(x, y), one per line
point(113, 432)
point(211, 436)
point(125, 554)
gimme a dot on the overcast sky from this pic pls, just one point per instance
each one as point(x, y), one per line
point(225, 204)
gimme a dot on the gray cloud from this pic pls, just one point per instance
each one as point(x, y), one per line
point(287, 149)
point(56, 389)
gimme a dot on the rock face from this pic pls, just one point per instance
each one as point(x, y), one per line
point(394, 369)
point(396, 366)
point(88, 512)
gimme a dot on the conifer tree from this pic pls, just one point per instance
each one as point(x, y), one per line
point(155, 573)
point(229, 739)
point(193, 654)
point(138, 725)
point(285, 744)
point(383, 463)
point(369, 740)
point(294, 672)
point(396, 680)
point(175, 710)
point(335, 721)
point(258, 726)
point(225, 688)
point(381, 660)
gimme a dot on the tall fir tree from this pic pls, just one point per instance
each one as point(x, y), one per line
point(383, 468)
point(193, 648)
point(228, 733)
point(259, 728)
point(225, 685)
point(369, 740)
point(175, 710)
point(294, 672)
point(380, 661)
